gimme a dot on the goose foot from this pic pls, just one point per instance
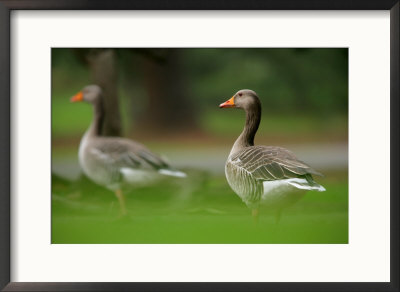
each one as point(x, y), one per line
point(254, 213)
point(121, 199)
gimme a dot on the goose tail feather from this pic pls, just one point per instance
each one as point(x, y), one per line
point(305, 185)
point(172, 172)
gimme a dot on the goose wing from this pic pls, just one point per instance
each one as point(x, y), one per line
point(271, 163)
point(122, 153)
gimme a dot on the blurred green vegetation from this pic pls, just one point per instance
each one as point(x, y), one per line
point(199, 209)
point(302, 90)
point(72, 120)
point(287, 80)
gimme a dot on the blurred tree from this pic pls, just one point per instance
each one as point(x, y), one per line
point(169, 108)
point(103, 72)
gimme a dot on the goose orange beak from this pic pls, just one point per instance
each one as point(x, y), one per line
point(77, 97)
point(229, 103)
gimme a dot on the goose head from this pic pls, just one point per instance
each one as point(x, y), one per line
point(244, 99)
point(91, 94)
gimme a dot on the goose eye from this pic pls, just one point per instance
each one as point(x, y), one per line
point(240, 94)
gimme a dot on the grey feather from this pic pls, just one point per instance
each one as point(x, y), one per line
point(271, 163)
point(122, 152)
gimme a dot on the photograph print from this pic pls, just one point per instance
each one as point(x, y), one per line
point(199, 145)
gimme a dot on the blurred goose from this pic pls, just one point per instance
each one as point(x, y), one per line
point(113, 161)
point(264, 175)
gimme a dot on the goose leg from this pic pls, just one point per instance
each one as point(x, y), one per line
point(254, 213)
point(121, 200)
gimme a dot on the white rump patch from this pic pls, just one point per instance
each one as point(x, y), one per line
point(137, 176)
point(172, 172)
point(286, 185)
point(303, 184)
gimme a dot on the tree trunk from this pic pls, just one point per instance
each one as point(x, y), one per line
point(168, 107)
point(102, 64)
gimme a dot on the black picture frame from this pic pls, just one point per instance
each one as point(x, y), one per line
point(6, 7)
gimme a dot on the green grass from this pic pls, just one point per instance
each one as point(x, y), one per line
point(199, 209)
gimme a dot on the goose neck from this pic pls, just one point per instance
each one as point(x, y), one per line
point(246, 138)
point(96, 126)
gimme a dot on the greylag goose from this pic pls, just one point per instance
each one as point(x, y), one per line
point(115, 162)
point(264, 175)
